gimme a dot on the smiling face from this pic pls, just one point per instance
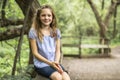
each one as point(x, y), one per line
point(46, 17)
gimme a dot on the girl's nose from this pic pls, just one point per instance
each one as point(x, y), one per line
point(46, 17)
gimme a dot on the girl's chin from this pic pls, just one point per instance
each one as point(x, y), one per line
point(47, 24)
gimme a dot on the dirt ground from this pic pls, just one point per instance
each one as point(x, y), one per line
point(94, 68)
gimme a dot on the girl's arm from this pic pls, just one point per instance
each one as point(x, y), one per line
point(57, 57)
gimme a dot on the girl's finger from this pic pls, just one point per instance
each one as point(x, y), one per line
point(60, 69)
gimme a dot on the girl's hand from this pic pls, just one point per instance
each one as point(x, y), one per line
point(57, 67)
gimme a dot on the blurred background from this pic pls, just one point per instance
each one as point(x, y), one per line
point(80, 21)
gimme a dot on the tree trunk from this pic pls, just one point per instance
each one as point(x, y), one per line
point(114, 23)
point(21, 38)
point(103, 24)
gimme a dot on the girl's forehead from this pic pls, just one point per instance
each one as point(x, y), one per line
point(46, 10)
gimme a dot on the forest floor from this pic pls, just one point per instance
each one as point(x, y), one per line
point(94, 68)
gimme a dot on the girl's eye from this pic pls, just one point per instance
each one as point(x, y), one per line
point(43, 15)
point(49, 15)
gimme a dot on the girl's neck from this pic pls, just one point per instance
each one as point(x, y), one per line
point(46, 27)
point(46, 31)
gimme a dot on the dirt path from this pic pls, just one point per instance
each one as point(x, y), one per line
point(94, 68)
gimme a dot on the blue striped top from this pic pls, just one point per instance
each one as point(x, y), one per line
point(46, 48)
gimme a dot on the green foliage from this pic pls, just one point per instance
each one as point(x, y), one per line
point(19, 77)
point(13, 11)
point(43, 1)
point(7, 54)
point(73, 16)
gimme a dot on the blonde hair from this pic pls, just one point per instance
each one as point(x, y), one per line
point(38, 25)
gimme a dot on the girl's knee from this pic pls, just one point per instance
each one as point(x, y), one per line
point(65, 76)
point(56, 76)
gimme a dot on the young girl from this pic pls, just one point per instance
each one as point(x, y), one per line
point(45, 44)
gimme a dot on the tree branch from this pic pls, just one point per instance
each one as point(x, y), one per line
point(3, 9)
point(110, 12)
point(11, 33)
point(118, 2)
point(98, 18)
point(6, 22)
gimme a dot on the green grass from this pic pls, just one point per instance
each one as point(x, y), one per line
point(66, 50)
point(74, 51)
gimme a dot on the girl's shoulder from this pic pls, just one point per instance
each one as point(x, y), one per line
point(32, 29)
point(32, 33)
point(58, 31)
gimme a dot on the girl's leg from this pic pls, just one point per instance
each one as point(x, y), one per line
point(65, 76)
point(56, 76)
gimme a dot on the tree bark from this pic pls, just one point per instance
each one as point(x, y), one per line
point(110, 13)
point(114, 23)
point(7, 22)
point(103, 3)
point(10, 34)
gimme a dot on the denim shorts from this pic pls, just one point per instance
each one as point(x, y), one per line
point(46, 71)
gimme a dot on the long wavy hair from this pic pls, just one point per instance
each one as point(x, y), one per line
point(38, 25)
